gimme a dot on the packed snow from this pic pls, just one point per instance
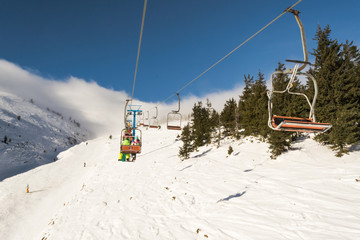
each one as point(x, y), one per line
point(306, 193)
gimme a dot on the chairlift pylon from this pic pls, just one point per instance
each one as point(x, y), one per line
point(173, 115)
point(296, 124)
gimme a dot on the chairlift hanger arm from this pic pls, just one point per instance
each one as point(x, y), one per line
point(156, 115)
point(125, 111)
point(174, 114)
point(179, 101)
point(303, 39)
point(176, 111)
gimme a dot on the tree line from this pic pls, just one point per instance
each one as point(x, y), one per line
point(337, 72)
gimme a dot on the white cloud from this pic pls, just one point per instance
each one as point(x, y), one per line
point(98, 109)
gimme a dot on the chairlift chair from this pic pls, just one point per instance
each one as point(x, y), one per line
point(146, 120)
point(142, 120)
point(133, 149)
point(131, 131)
point(154, 122)
point(174, 115)
point(296, 124)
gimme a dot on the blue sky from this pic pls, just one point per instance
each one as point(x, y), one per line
point(98, 40)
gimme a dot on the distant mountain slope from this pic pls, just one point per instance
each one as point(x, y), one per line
point(31, 135)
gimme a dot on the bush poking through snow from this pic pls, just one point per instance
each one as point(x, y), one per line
point(230, 150)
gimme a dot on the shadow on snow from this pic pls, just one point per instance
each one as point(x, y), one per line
point(232, 196)
point(203, 153)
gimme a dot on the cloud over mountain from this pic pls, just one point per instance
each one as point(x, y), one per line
point(98, 109)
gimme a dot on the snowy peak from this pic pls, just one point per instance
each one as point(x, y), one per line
point(31, 135)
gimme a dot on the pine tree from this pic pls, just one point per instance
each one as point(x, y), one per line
point(261, 107)
point(186, 149)
point(337, 73)
point(348, 99)
point(214, 119)
point(214, 116)
point(201, 127)
point(215, 126)
point(327, 63)
point(253, 111)
point(227, 117)
point(279, 143)
point(244, 105)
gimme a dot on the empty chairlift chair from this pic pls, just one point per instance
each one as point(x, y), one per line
point(146, 120)
point(295, 124)
point(154, 122)
point(174, 118)
point(142, 120)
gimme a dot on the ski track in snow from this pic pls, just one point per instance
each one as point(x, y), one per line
point(306, 193)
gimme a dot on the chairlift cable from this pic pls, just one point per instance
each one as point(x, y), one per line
point(232, 51)
point(139, 47)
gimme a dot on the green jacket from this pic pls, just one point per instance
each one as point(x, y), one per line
point(125, 142)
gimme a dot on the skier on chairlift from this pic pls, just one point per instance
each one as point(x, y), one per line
point(135, 142)
point(126, 156)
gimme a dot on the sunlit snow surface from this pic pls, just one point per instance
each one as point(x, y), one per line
point(306, 193)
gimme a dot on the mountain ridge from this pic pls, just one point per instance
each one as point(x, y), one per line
point(31, 135)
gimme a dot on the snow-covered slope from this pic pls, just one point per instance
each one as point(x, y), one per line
point(31, 136)
point(304, 194)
